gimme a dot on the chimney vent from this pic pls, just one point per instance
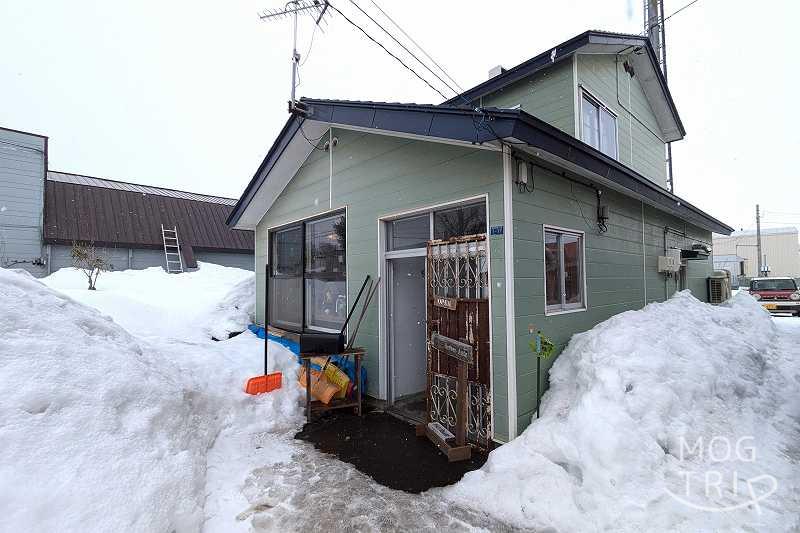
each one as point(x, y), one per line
point(496, 71)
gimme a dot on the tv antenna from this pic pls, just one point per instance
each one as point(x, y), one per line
point(316, 9)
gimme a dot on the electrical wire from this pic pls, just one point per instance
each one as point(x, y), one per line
point(371, 38)
point(415, 43)
point(572, 188)
point(404, 47)
point(693, 2)
point(313, 142)
point(310, 46)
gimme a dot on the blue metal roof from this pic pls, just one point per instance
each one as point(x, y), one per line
point(474, 126)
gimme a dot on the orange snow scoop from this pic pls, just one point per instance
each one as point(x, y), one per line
point(265, 383)
point(268, 382)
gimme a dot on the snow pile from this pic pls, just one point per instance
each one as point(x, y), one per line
point(234, 312)
point(152, 303)
point(105, 431)
point(616, 445)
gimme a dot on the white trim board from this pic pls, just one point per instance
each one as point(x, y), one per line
point(508, 244)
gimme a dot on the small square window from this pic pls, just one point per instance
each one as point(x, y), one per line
point(564, 269)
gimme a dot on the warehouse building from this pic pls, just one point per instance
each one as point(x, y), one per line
point(780, 250)
point(42, 213)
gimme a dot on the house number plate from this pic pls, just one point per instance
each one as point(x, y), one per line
point(456, 349)
point(447, 303)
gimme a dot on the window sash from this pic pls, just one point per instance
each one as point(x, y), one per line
point(599, 126)
point(561, 277)
point(308, 290)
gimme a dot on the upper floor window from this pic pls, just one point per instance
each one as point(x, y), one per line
point(598, 126)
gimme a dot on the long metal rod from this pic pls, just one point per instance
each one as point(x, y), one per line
point(295, 59)
point(266, 322)
point(355, 303)
point(373, 290)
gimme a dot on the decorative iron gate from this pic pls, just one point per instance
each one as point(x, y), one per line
point(458, 332)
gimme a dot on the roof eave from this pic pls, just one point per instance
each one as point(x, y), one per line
point(563, 51)
point(459, 124)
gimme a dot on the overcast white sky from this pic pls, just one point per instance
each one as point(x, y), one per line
point(191, 94)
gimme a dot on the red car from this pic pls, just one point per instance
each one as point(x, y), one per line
point(777, 295)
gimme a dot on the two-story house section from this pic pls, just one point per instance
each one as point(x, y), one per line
point(603, 88)
point(535, 201)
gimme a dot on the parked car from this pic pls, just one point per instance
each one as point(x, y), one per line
point(777, 295)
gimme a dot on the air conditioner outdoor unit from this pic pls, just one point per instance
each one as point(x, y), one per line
point(719, 287)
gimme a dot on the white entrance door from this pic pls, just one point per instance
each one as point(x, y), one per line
point(407, 325)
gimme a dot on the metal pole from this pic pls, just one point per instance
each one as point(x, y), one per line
point(266, 321)
point(758, 239)
point(295, 58)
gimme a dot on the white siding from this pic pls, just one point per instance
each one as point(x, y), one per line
point(22, 171)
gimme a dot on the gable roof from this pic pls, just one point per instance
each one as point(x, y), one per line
point(118, 214)
point(459, 124)
point(594, 41)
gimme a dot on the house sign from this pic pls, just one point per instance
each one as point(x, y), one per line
point(496, 230)
point(446, 303)
point(455, 349)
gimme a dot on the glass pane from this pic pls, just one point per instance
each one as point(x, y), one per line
point(552, 269)
point(459, 221)
point(572, 268)
point(411, 232)
point(590, 130)
point(608, 134)
point(285, 283)
point(325, 273)
point(285, 298)
point(326, 303)
point(287, 259)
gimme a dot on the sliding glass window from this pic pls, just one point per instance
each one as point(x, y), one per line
point(286, 278)
point(325, 274)
point(308, 285)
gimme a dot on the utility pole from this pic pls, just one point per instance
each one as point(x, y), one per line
point(655, 31)
point(758, 239)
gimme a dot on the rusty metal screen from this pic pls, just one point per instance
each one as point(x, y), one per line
point(458, 308)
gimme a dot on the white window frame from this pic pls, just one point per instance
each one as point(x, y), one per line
point(563, 308)
point(598, 104)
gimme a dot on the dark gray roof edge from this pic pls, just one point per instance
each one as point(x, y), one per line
point(563, 51)
point(575, 151)
point(460, 124)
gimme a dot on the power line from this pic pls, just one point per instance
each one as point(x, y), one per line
point(371, 38)
point(693, 2)
point(387, 32)
point(415, 43)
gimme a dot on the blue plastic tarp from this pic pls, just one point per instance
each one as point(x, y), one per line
point(346, 364)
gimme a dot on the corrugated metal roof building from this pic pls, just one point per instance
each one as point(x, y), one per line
point(125, 219)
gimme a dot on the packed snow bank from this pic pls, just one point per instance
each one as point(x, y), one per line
point(619, 428)
point(104, 431)
point(152, 303)
point(234, 312)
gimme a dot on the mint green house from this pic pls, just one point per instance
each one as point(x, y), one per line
point(537, 200)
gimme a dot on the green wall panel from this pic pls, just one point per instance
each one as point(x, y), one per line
point(616, 280)
point(375, 176)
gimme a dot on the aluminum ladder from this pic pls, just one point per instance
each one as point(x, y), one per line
point(172, 250)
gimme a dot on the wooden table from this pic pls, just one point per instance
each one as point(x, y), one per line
point(336, 403)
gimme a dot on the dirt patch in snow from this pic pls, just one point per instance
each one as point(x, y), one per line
point(387, 450)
